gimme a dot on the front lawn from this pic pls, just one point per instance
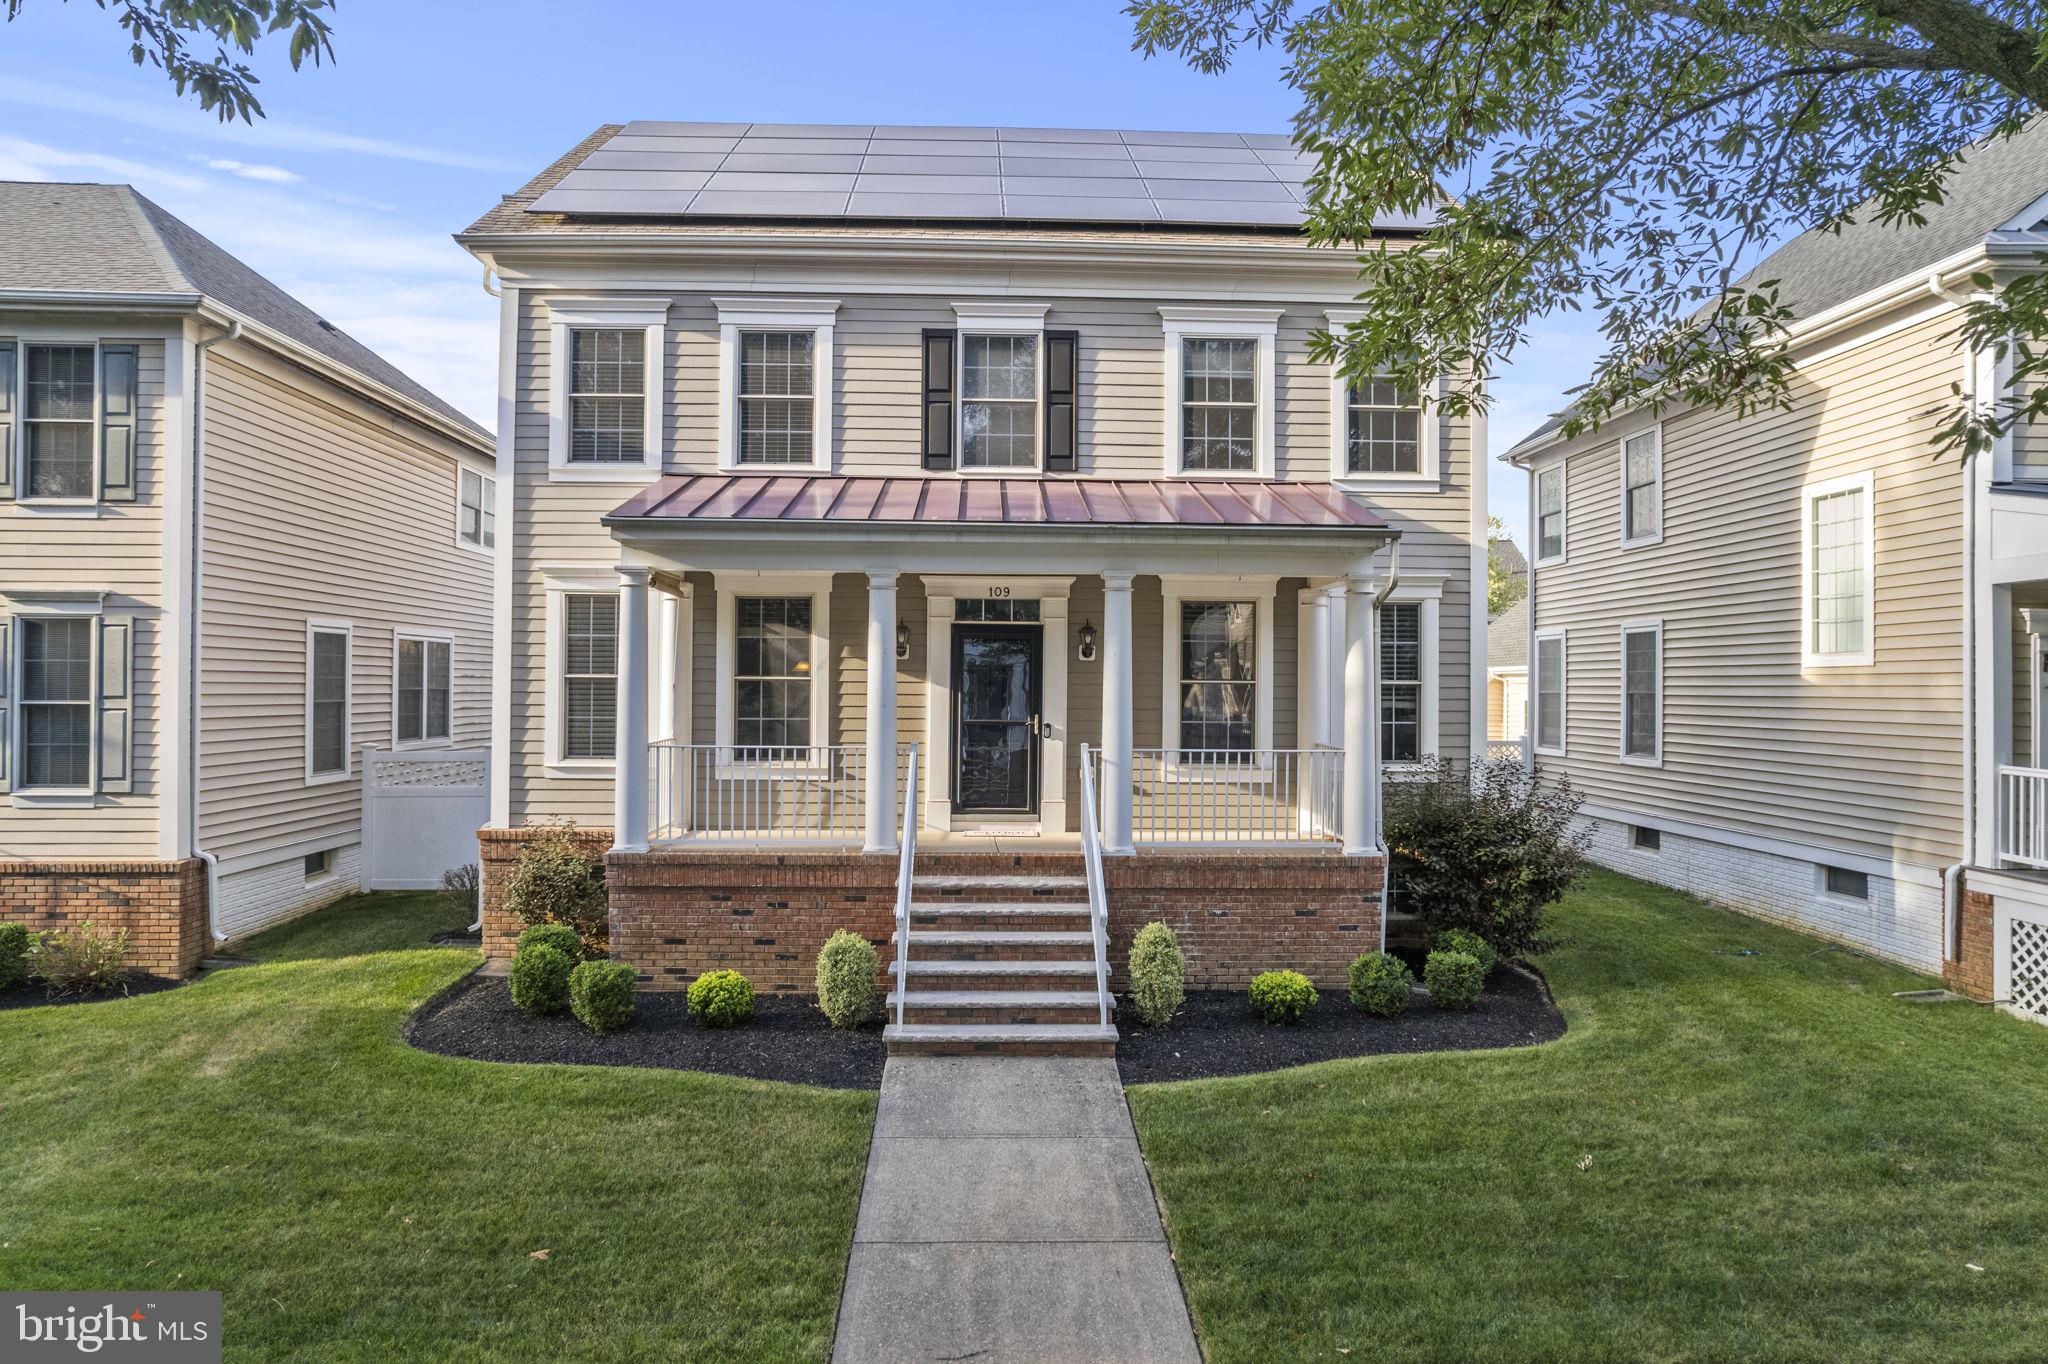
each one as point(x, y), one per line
point(1726, 1157)
point(267, 1133)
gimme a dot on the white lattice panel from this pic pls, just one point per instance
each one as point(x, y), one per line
point(392, 773)
point(2028, 944)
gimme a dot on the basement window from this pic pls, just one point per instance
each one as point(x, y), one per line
point(319, 864)
point(1850, 885)
point(1649, 840)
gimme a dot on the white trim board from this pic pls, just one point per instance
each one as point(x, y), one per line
point(1907, 872)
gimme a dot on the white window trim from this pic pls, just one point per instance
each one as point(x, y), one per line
point(814, 315)
point(1199, 323)
point(1428, 467)
point(398, 637)
point(1006, 318)
point(730, 587)
point(1564, 708)
point(560, 582)
point(1656, 434)
point(610, 314)
point(490, 478)
point(89, 605)
point(1654, 627)
point(60, 506)
point(346, 629)
point(1564, 540)
point(1259, 591)
point(1809, 657)
point(1426, 592)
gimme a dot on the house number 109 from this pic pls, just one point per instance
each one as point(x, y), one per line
point(999, 592)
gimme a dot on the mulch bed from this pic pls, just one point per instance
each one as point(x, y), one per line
point(1216, 1033)
point(787, 1039)
point(34, 996)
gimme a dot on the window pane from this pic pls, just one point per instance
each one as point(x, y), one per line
point(590, 687)
point(329, 684)
point(56, 660)
point(1550, 513)
point(439, 691)
point(999, 402)
point(1401, 682)
point(1218, 438)
point(412, 677)
point(1639, 481)
point(608, 362)
point(772, 679)
point(56, 745)
point(999, 367)
point(59, 384)
point(60, 459)
point(1838, 586)
point(56, 667)
point(1639, 693)
point(607, 429)
point(1219, 404)
point(1218, 695)
point(776, 408)
point(1383, 421)
point(1550, 693)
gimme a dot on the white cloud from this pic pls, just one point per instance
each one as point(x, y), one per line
point(276, 175)
point(21, 159)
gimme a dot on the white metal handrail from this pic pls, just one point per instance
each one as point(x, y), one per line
point(906, 872)
point(1098, 891)
point(1236, 796)
point(2023, 815)
point(736, 793)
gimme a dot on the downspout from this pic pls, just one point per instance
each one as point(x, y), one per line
point(199, 349)
point(1952, 875)
point(1379, 794)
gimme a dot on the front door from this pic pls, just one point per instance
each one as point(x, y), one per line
point(995, 718)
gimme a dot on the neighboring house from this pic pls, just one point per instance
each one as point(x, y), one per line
point(825, 442)
point(1794, 658)
point(1507, 662)
point(236, 550)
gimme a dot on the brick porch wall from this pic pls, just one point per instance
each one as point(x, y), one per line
point(161, 904)
point(498, 851)
point(1970, 973)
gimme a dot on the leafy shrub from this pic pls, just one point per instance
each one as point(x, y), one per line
point(1380, 984)
point(721, 999)
point(1471, 944)
point(561, 937)
point(1453, 979)
point(1488, 850)
point(1282, 996)
point(17, 944)
point(1158, 975)
point(557, 880)
point(461, 890)
point(86, 960)
point(601, 995)
point(847, 965)
point(540, 979)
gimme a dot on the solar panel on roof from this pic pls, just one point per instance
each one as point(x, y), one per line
point(1098, 175)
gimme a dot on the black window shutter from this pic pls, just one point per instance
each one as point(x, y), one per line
point(1062, 381)
point(938, 398)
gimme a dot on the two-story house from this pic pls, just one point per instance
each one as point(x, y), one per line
point(1005, 446)
point(1794, 658)
point(237, 550)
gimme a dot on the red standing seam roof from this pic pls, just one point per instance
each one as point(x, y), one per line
point(1224, 504)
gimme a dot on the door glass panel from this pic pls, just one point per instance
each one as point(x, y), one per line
point(996, 746)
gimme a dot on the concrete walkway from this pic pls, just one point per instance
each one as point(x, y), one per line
point(1008, 1217)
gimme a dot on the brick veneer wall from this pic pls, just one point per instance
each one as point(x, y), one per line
point(161, 904)
point(1970, 973)
point(1237, 914)
point(498, 852)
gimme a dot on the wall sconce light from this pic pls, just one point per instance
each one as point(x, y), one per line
point(902, 641)
point(1087, 650)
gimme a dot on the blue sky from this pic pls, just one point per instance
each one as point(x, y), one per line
point(346, 195)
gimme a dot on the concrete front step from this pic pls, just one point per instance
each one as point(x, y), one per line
point(996, 914)
point(931, 973)
point(1011, 945)
point(950, 885)
point(994, 1039)
point(998, 1006)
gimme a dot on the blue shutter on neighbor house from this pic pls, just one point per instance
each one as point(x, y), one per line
point(9, 368)
point(1062, 382)
point(938, 397)
point(118, 365)
point(116, 701)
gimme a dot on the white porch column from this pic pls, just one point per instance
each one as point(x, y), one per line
point(881, 732)
point(1116, 711)
point(1311, 672)
point(629, 822)
point(1361, 736)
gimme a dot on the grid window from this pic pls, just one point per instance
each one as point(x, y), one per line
point(425, 699)
point(1550, 693)
point(1401, 682)
point(58, 423)
point(1383, 421)
point(777, 376)
point(1018, 610)
point(590, 674)
point(327, 684)
point(1218, 689)
point(1550, 513)
point(479, 510)
point(1219, 404)
point(1840, 604)
point(772, 673)
point(1640, 665)
point(999, 402)
point(56, 702)
point(1641, 492)
point(607, 396)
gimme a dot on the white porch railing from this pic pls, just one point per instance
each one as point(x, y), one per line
point(1231, 798)
point(730, 793)
point(1098, 888)
point(906, 879)
point(2023, 816)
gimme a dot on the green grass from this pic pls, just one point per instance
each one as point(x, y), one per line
point(1785, 1164)
point(267, 1133)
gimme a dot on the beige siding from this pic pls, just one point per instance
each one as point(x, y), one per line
point(119, 552)
point(317, 505)
point(1863, 758)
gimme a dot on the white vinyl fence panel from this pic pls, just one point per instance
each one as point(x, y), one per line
point(421, 811)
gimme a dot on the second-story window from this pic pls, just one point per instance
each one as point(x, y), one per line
point(777, 402)
point(1383, 426)
point(607, 396)
point(477, 510)
point(999, 402)
point(1642, 487)
point(1219, 404)
point(57, 422)
point(1550, 513)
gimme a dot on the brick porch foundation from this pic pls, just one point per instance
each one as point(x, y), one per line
point(161, 905)
point(1970, 972)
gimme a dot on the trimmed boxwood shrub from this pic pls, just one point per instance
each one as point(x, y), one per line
point(557, 880)
point(1466, 941)
point(601, 995)
point(561, 937)
point(1158, 975)
point(1453, 979)
point(1380, 984)
point(540, 979)
point(16, 943)
point(847, 966)
point(1282, 996)
point(721, 999)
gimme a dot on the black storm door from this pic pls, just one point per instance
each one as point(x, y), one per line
point(995, 717)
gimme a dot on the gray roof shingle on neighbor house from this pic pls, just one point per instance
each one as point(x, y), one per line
point(859, 171)
point(1818, 269)
point(93, 238)
point(1507, 636)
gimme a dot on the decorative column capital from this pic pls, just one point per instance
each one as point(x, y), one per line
point(1117, 579)
point(635, 575)
point(881, 580)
